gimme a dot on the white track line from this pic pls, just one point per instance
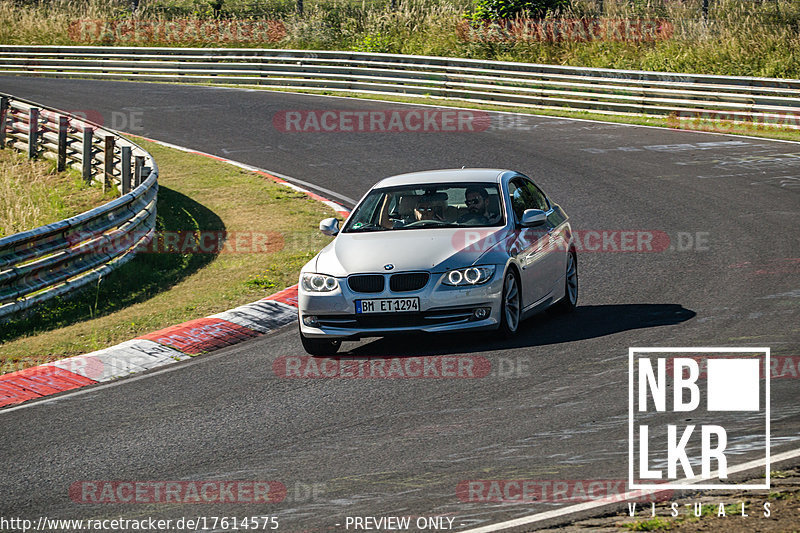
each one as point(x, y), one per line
point(250, 168)
point(617, 498)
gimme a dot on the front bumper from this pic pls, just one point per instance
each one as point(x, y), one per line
point(442, 308)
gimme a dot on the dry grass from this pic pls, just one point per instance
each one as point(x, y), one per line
point(33, 194)
point(740, 37)
point(33, 23)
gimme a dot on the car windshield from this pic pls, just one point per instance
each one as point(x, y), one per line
point(428, 206)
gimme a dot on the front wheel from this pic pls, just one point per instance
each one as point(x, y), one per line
point(319, 347)
point(512, 305)
point(570, 300)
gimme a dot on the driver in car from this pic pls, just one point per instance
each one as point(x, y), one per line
point(477, 206)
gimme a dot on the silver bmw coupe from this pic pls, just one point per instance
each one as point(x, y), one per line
point(439, 251)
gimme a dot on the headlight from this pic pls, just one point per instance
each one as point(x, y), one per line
point(318, 282)
point(468, 276)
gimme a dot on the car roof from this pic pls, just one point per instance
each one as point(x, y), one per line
point(444, 176)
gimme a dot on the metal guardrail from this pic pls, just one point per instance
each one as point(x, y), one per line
point(761, 100)
point(52, 260)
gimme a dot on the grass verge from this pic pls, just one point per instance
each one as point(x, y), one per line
point(156, 290)
point(33, 194)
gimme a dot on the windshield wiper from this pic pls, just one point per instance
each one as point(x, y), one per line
point(433, 223)
point(367, 227)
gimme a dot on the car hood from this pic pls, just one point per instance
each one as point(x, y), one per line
point(422, 249)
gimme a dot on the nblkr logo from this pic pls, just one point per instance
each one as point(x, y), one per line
point(689, 409)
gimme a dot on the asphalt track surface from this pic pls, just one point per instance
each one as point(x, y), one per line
point(554, 407)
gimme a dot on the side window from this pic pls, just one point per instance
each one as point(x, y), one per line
point(537, 196)
point(520, 198)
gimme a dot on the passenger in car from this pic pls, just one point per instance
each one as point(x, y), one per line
point(406, 205)
point(431, 207)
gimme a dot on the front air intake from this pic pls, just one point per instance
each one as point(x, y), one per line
point(366, 283)
point(412, 281)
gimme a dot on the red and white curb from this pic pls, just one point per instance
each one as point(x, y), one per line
point(166, 346)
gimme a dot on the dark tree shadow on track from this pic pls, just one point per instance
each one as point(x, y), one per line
point(586, 322)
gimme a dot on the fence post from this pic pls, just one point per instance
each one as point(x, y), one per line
point(62, 142)
point(137, 170)
point(88, 134)
point(705, 9)
point(3, 114)
point(108, 152)
point(125, 175)
point(33, 132)
point(300, 6)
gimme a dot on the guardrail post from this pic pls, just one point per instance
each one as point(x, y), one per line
point(62, 142)
point(33, 132)
point(88, 134)
point(137, 170)
point(36, 262)
point(108, 152)
point(3, 114)
point(126, 170)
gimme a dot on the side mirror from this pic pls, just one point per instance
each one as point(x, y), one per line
point(533, 217)
point(329, 226)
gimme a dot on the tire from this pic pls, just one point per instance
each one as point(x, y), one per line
point(570, 300)
point(320, 347)
point(511, 309)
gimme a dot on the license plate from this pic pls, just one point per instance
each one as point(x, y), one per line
point(387, 305)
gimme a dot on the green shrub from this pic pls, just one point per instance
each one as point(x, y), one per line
point(506, 9)
point(374, 42)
